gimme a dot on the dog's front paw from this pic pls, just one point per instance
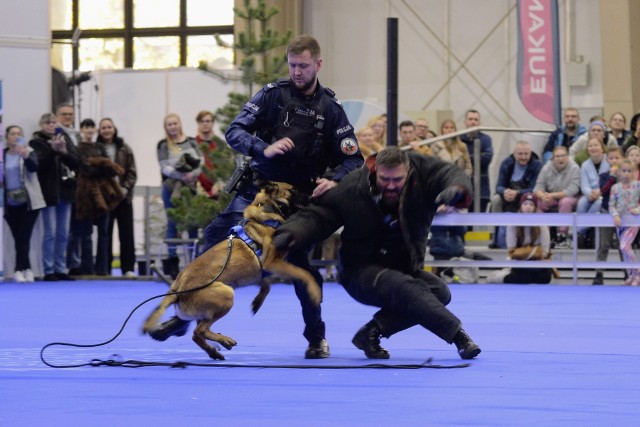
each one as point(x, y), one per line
point(227, 342)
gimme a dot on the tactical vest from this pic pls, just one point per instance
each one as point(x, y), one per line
point(303, 122)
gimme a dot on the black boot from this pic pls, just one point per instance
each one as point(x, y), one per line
point(467, 349)
point(174, 267)
point(166, 266)
point(171, 266)
point(317, 350)
point(174, 326)
point(367, 339)
point(599, 279)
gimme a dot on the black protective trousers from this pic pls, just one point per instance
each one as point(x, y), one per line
point(405, 300)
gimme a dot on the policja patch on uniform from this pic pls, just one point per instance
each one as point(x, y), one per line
point(349, 146)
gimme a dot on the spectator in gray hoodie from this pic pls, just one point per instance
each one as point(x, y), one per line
point(557, 188)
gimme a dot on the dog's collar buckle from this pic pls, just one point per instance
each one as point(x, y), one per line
point(239, 232)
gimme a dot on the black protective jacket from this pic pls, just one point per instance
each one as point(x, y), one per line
point(352, 204)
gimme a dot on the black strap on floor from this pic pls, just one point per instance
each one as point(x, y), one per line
point(141, 364)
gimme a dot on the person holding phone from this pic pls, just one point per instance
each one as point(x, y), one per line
point(56, 156)
point(23, 198)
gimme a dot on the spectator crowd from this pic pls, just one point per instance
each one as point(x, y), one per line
point(76, 180)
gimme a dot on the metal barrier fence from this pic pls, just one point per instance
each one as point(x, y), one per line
point(572, 220)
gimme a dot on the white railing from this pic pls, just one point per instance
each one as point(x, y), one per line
point(572, 220)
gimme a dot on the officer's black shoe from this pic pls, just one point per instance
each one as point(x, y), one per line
point(367, 339)
point(174, 326)
point(317, 350)
point(599, 279)
point(467, 349)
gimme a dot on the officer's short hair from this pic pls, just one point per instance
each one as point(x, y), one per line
point(304, 42)
point(392, 156)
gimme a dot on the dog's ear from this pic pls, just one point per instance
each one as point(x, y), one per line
point(270, 187)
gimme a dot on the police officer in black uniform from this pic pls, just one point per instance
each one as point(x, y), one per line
point(294, 131)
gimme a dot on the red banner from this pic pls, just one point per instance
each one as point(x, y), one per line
point(538, 75)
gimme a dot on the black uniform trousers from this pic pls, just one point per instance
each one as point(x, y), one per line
point(405, 300)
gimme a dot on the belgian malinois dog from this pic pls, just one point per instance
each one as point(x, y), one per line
point(233, 263)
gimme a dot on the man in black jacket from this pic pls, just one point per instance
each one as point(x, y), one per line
point(386, 210)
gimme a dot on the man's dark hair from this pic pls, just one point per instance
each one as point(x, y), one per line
point(390, 157)
point(302, 43)
point(87, 123)
point(406, 123)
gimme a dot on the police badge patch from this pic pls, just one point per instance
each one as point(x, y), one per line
point(349, 146)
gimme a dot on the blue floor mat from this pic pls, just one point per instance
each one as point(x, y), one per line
point(550, 354)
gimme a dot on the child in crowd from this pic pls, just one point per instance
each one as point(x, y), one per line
point(528, 243)
point(607, 180)
point(625, 200)
point(633, 154)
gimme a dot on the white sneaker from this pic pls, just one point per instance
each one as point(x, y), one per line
point(18, 276)
point(498, 276)
point(129, 274)
point(28, 276)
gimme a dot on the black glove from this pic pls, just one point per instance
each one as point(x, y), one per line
point(454, 195)
point(283, 241)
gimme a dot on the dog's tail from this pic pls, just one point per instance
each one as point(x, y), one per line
point(155, 316)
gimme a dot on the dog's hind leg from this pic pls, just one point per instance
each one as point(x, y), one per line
point(155, 316)
point(265, 287)
point(202, 333)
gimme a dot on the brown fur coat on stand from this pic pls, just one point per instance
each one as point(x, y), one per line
point(98, 192)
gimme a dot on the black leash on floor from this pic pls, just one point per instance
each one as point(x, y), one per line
point(66, 344)
point(114, 362)
point(141, 364)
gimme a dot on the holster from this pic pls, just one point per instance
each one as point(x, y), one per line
point(241, 175)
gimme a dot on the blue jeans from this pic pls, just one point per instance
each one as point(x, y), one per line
point(172, 229)
point(56, 235)
point(586, 206)
point(74, 247)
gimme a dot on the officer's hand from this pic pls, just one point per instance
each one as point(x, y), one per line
point(278, 148)
point(283, 241)
point(454, 195)
point(323, 185)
